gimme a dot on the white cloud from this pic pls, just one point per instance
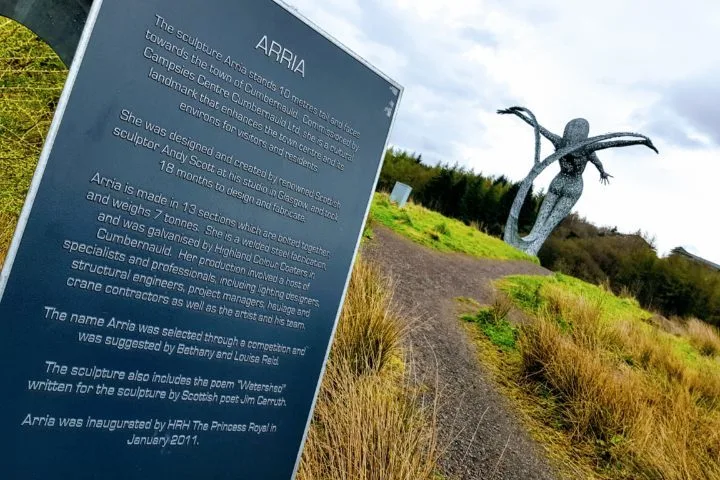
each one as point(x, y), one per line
point(645, 65)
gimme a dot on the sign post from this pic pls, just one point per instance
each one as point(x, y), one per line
point(171, 293)
point(400, 193)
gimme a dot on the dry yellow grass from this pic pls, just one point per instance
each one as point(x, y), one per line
point(7, 227)
point(623, 389)
point(611, 393)
point(368, 428)
point(704, 337)
point(369, 422)
point(368, 334)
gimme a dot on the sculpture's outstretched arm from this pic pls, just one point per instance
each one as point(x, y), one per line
point(624, 143)
point(643, 140)
point(554, 139)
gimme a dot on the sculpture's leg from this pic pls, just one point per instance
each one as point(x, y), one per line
point(511, 235)
point(563, 207)
point(546, 209)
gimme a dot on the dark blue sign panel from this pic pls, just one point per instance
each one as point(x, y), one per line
point(170, 296)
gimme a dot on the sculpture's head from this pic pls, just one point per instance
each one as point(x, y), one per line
point(576, 131)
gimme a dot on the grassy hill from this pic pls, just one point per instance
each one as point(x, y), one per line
point(626, 262)
point(612, 390)
point(439, 232)
point(673, 285)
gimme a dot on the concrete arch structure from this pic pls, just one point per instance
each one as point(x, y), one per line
point(58, 22)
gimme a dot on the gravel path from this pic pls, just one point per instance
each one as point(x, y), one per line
point(484, 440)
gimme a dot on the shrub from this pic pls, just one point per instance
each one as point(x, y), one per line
point(404, 218)
point(442, 228)
point(494, 324)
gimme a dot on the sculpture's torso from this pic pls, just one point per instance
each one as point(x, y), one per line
point(573, 164)
point(569, 183)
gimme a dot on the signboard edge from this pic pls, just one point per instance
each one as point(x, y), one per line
point(345, 288)
point(296, 13)
point(401, 91)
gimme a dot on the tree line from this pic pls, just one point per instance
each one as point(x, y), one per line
point(628, 264)
point(458, 192)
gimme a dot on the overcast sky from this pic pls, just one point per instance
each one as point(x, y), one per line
point(651, 67)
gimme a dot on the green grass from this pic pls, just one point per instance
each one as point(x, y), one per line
point(530, 293)
point(527, 292)
point(436, 231)
point(368, 233)
point(31, 80)
point(499, 331)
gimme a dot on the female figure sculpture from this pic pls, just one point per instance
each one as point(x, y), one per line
point(573, 150)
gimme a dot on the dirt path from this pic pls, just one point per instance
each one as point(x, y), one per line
point(487, 442)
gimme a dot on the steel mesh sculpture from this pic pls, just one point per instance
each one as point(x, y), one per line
point(573, 151)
